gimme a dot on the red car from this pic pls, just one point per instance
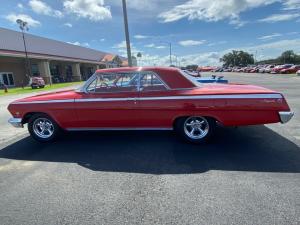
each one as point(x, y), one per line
point(292, 69)
point(278, 69)
point(150, 98)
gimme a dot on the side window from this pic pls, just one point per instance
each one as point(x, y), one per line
point(150, 82)
point(113, 83)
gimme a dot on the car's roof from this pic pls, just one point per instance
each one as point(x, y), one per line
point(132, 69)
point(170, 75)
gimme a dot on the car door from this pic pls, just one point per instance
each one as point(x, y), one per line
point(109, 102)
point(156, 109)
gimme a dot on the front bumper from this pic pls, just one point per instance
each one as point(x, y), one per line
point(285, 116)
point(16, 122)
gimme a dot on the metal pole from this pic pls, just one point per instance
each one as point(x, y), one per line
point(170, 44)
point(127, 33)
point(27, 63)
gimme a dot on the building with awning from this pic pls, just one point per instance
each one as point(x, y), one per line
point(55, 61)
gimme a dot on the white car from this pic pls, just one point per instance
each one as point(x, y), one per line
point(298, 72)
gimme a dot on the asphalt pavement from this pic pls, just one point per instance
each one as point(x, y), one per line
point(247, 175)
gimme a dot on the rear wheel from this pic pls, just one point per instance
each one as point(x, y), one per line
point(196, 129)
point(43, 128)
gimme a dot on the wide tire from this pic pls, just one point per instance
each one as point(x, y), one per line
point(43, 128)
point(195, 129)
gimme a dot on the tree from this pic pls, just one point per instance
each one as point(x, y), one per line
point(288, 57)
point(237, 58)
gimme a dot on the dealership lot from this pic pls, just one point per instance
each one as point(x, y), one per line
point(249, 175)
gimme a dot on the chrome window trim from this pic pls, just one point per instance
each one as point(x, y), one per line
point(189, 78)
point(158, 77)
point(140, 73)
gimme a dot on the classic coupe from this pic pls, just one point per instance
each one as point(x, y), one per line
point(148, 98)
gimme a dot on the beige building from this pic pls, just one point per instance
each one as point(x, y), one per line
point(55, 61)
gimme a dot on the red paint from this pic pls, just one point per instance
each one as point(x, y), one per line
point(155, 113)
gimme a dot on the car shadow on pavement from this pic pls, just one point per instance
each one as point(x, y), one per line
point(255, 148)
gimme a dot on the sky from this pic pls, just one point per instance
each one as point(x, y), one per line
point(200, 31)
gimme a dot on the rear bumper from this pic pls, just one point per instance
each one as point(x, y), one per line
point(285, 116)
point(16, 122)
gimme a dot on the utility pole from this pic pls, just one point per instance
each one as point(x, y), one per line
point(170, 44)
point(127, 33)
point(170, 50)
point(24, 27)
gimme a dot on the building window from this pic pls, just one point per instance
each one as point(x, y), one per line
point(7, 79)
point(35, 70)
point(54, 70)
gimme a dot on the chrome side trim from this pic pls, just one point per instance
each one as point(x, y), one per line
point(285, 116)
point(16, 122)
point(117, 129)
point(246, 96)
point(48, 101)
point(232, 96)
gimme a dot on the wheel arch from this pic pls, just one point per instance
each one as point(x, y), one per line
point(29, 115)
point(176, 119)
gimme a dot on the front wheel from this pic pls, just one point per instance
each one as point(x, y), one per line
point(196, 129)
point(43, 128)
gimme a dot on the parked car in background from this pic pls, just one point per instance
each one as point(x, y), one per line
point(277, 69)
point(269, 68)
point(205, 68)
point(298, 72)
point(292, 69)
point(150, 98)
point(37, 82)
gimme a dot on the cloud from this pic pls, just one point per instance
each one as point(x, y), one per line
point(20, 6)
point(42, 8)
point(84, 44)
point(187, 43)
point(68, 25)
point(217, 43)
point(280, 17)
point(267, 50)
point(150, 45)
point(122, 48)
point(160, 47)
point(122, 44)
point(102, 39)
point(212, 11)
point(94, 10)
point(139, 36)
point(155, 46)
point(291, 5)
point(31, 22)
point(268, 37)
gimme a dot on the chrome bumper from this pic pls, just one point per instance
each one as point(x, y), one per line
point(16, 122)
point(285, 116)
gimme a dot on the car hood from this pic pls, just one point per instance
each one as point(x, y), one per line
point(59, 95)
point(232, 89)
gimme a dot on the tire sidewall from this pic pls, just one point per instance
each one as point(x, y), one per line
point(179, 128)
point(37, 138)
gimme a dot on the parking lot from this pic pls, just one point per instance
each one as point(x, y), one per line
point(247, 175)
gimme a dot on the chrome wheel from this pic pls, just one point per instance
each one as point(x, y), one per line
point(196, 127)
point(43, 128)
